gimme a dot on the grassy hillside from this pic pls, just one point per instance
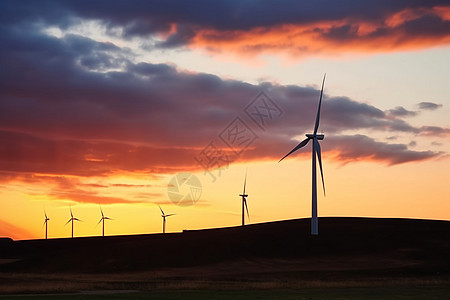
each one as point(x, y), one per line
point(391, 258)
point(344, 245)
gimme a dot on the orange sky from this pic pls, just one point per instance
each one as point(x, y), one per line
point(105, 111)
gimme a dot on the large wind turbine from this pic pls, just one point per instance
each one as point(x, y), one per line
point(315, 151)
point(46, 223)
point(244, 201)
point(72, 219)
point(103, 218)
point(163, 215)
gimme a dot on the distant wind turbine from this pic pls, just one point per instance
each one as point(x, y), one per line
point(72, 219)
point(315, 151)
point(103, 218)
point(46, 223)
point(244, 201)
point(163, 215)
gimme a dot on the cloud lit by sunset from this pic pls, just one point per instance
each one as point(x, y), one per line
point(104, 103)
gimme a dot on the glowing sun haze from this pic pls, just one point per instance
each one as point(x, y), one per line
point(103, 102)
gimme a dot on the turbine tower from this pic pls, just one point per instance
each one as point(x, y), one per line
point(103, 218)
point(163, 215)
point(316, 151)
point(46, 223)
point(72, 218)
point(244, 201)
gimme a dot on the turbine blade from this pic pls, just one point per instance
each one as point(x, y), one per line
point(68, 222)
point(71, 212)
point(170, 215)
point(246, 208)
point(101, 211)
point(45, 213)
point(77, 220)
point(99, 221)
point(319, 157)
point(161, 209)
point(245, 181)
point(302, 144)
point(316, 126)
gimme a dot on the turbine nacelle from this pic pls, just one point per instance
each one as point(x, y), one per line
point(243, 195)
point(317, 136)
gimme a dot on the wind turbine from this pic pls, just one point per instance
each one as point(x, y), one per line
point(244, 201)
point(103, 218)
point(315, 151)
point(163, 215)
point(46, 223)
point(72, 219)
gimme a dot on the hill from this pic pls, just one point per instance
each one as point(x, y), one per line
point(345, 247)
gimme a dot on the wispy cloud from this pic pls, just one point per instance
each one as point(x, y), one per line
point(435, 131)
point(429, 105)
point(88, 197)
point(12, 231)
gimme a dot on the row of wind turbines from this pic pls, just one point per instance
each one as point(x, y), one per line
point(316, 156)
point(102, 220)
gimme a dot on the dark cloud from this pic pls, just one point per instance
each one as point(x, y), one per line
point(400, 111)
point(360, 147)
point(182, 37)
point(342, 110)
point(344, 149)
point(183, 21)
point(75, 106)
point(429, 105)
point(434, 130)
point(427, 25)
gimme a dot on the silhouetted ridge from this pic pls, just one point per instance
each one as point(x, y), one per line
point(423, 244)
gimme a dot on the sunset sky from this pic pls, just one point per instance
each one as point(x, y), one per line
point(103, 102)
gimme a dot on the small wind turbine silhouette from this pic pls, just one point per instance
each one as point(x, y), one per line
point(103, 218)
point(46, 223)
point(244, 201)
point(72, 219)
point(315, 151)
point(163, 215)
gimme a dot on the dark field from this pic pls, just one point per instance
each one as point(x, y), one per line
point(398, 293)
point(352, 258)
